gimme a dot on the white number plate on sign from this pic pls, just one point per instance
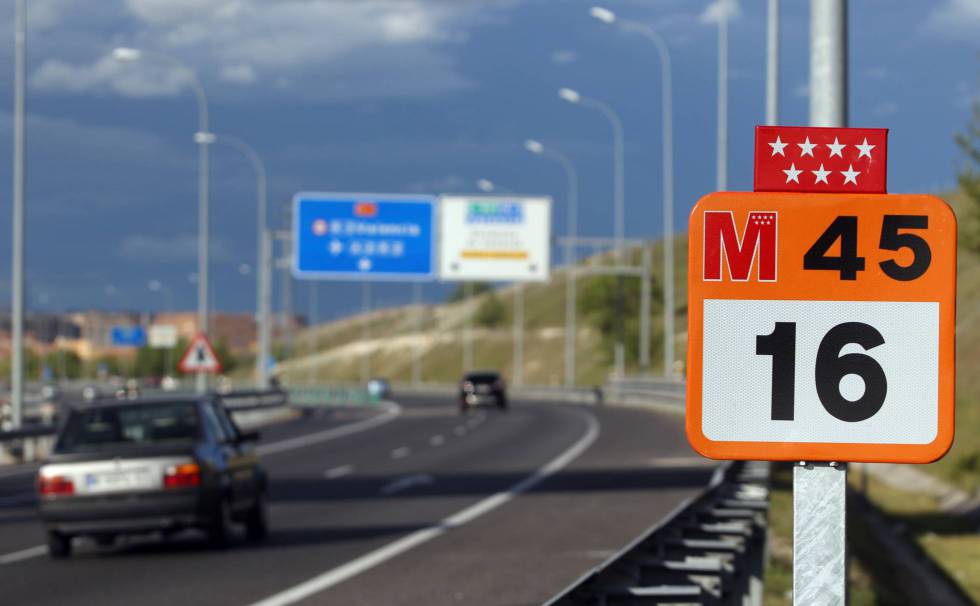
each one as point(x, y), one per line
point(762, 359)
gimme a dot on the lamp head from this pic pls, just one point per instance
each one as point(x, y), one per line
point(534, 146)
point(603, 14)
point(569, 95)
point(485, 185)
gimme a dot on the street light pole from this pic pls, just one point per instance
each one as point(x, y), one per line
point(667, 153)
point(203, 138)
point(722, 175)
point(772, 64)
point(168, 293)
point(17, 258)
point(571, 229)
point(619, 210)
point(262, 294)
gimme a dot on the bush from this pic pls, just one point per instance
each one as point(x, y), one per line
point(491, 312)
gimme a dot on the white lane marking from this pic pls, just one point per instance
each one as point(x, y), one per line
point(459, 430)
point(437, 440)
point(400, 453)
point(23, 554)
point(405, 483)
point(338, 472)
point(392, 411)
point(17, 499)
point(367, 561)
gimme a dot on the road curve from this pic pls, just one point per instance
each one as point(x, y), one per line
point(422, 507)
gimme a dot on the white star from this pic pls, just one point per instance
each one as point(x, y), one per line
point(835, 148)
point(792, 174)
point(807, 148)
point(865, 149)
point(821, 175)
point(777, 147)
point(850, 175)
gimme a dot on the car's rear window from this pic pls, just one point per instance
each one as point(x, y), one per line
point(105, 427)
point(483, 377)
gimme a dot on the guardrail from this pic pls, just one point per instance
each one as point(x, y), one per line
point(710, 551)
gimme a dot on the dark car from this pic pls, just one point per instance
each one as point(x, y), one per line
point(153, 465)
point(482, 387)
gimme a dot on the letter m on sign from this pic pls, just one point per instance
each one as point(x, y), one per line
point(723, 243)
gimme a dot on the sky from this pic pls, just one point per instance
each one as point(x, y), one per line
point(413, 96)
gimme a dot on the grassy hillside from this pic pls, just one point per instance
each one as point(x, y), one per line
point(437, 331)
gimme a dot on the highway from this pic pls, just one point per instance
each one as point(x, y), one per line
point(405, 504)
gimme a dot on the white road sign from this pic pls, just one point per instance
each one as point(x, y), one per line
point(495, 238)
point(162, 336)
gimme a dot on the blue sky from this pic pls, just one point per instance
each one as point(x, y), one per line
point(419, 96)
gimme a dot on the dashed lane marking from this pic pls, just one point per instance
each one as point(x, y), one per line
point(23, 554)
point(379, 556)
point(401, 452)
point(405, 483)
point(338, 472)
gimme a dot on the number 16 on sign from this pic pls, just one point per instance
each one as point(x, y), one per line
point(821, 327)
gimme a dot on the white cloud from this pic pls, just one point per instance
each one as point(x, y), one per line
point(714, 12)
point(564, 56)
point(956, 18)
point(242, 73)
point(149, 79)
point(340, 48)
point(182, 247)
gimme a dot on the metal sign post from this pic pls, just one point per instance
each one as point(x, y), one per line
point(819, 534)
point(820, 491)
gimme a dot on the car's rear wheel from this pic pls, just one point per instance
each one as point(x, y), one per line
point(257, 520)
point(219, 531)
point(502, 403)
point(59, 545)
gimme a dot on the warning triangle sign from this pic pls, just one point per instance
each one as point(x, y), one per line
point(200, 356)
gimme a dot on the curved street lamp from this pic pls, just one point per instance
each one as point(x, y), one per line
point(571, 223)
point(203, 138)
point(607, 16)
point(619, 211)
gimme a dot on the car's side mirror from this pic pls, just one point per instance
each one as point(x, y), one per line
point(248, 436)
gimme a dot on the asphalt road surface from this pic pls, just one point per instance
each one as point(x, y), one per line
point(412, 504)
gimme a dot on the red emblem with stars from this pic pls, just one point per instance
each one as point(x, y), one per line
point(823, 160)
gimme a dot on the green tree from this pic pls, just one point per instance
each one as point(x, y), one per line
point(969, 178)
point(597, 305)
point(491, 312)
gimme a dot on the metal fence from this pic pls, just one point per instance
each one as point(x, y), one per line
point(710, 551)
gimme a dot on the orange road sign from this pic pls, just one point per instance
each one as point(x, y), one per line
point(821, 327)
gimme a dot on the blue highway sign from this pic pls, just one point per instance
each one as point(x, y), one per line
point(128, 336)
point(363, 237)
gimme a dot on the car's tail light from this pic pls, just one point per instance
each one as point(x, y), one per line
point(49, 486)
point(467, 386)
point(182, 476)
point(498, 384)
